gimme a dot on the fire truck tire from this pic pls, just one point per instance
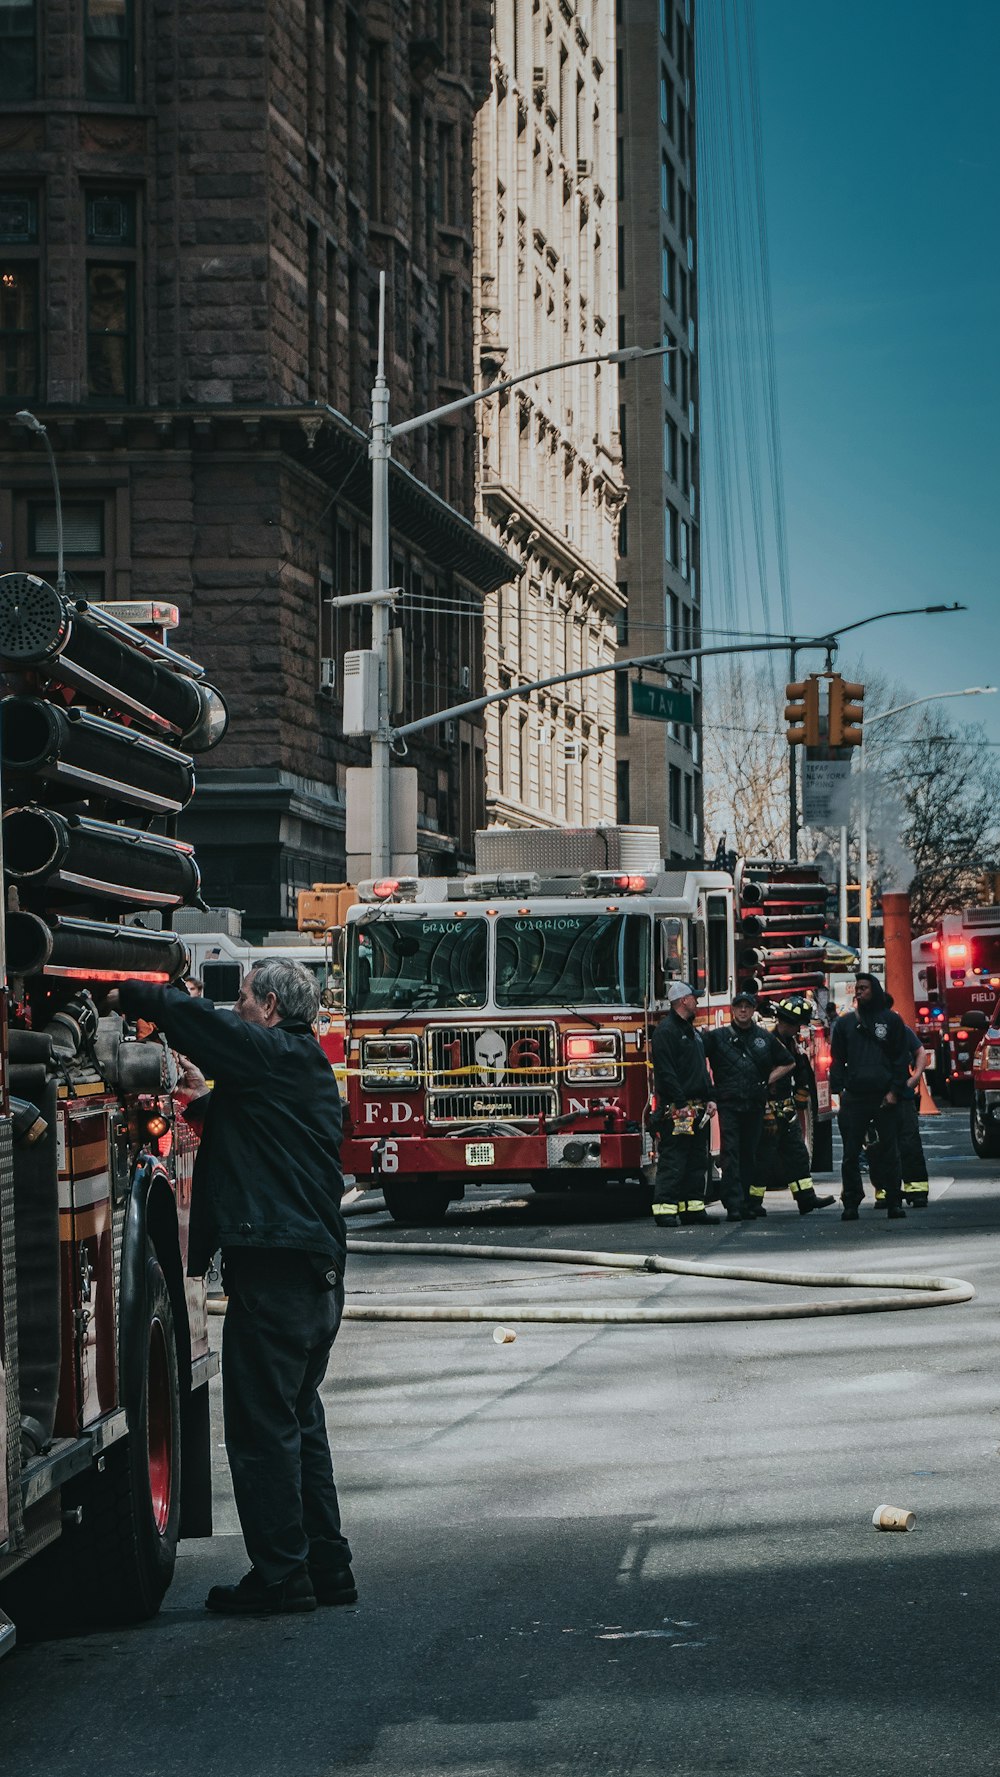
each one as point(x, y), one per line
point(115, 1565)
point(417, 1206)
point(984, 1131)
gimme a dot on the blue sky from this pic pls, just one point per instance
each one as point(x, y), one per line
point(881, 164)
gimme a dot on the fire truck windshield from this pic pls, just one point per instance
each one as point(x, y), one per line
point(572, 959)
point(398, 964)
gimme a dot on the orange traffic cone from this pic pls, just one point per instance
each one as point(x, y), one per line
point(927, 1106)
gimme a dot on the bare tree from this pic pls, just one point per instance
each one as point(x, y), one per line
point(951, 799)
point(745, 762)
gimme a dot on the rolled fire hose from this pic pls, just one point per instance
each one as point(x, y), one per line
point(906, 1290)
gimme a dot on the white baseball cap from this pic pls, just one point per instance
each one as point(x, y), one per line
point(679, 990)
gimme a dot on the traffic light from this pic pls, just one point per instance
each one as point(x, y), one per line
point(846, 712)
point(802, 712)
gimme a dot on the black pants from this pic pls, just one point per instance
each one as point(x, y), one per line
point(792, 1156)
point(681, 1169)
point(740, 1130)
point(853, 1118)
point(912, 1161)
point(280, 1326)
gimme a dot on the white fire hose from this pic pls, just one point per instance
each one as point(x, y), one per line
point(907, 1290)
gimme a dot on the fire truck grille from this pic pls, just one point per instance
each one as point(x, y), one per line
point(495, 1072)
point(490, 1107)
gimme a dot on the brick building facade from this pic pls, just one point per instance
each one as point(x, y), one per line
point(195, 204)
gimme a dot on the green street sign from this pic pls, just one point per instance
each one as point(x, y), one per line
point(661, 703)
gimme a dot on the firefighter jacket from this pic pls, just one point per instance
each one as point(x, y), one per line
point(784, 1051)
point(267, 1172)
point(740, 1061)
point(679, 1071)
point(870, 1052)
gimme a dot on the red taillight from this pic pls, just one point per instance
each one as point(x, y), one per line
point(923, 1011)
point(962, 1036)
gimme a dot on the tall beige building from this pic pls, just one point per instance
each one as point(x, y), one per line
point(550, 478)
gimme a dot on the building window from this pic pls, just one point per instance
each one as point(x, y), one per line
point(624, 814)
point(111, 332)
point(665, 98)
point(667, 274)
point(674, 783)
point(688, 803)
point(108, 49)
point(621, 703)
point(18, 50)
point(378, 123)
point(85, 544)
point(666, 187)
point(670, 449)
point(670, 548)
point(670, 363)
point(685, 557)
point(19, 310)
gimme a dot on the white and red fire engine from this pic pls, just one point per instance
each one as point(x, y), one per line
point(498, 1026)
point(956, 981)
point(105, 1451)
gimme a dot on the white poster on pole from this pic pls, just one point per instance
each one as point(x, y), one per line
point(826, 792)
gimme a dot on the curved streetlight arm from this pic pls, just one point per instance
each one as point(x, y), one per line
point(35, 425)
point(911, 611)
point(625, 355)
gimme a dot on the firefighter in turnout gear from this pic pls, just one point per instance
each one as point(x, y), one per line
point(870, 1072)
point(683, 1113)
point(784, 1152)
point(912, 1160)
point(740, 1057)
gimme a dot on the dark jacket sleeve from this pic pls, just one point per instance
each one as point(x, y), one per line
point(898, 1049)
point(222, 1045)
point(838, 1054)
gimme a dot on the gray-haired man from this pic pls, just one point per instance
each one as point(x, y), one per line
point(267, 1189)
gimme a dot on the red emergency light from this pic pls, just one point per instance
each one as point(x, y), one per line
point(385, 888)
point(958, 953)
point(580, 1048)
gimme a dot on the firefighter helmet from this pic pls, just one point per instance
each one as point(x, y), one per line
point(795, 1009)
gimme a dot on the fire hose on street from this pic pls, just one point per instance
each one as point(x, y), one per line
point(897, 1291)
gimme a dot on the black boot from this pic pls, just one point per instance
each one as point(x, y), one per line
point(849, 1213)
point(808, 1201)
point(252, 1598)
point(896, 1212)
point(333, 1581)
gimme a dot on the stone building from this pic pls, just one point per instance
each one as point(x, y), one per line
point(550, 485)
point(195, 203)
point(659, 765)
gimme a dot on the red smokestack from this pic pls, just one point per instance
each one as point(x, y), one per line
point(899, 955)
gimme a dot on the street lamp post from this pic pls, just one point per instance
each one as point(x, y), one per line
point(380, 454)
point(882, 716)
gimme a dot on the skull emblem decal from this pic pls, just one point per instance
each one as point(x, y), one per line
point(491, 1057)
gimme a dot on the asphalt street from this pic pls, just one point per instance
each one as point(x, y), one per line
point(611, 1549)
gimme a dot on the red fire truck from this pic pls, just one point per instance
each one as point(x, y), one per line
point(499, 1025)
point(956, 980)
point(105, 1454)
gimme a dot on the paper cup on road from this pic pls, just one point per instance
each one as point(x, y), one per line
point(504, 1335)
point(893, 1518)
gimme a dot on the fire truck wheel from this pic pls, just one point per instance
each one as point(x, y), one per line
point(116, 1562)
point(984, 1131)
point(417, 1206)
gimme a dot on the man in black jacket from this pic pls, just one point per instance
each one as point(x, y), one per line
point(683, 1110)
point(739, 1055)
point(870, 1072)
point(267, 1188)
